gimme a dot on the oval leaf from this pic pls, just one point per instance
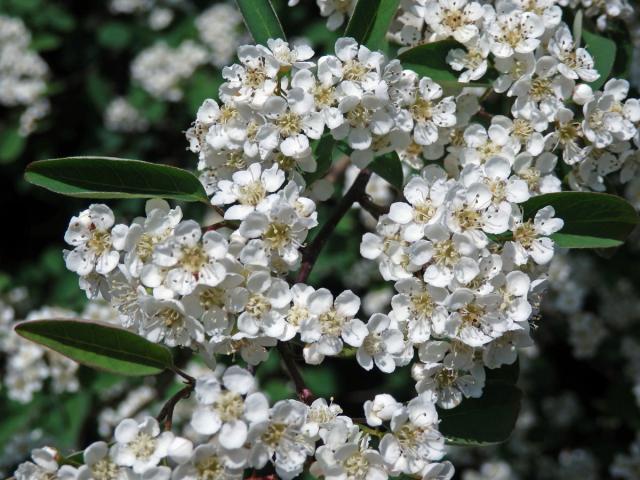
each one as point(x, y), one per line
point(603, 51)
point(323, 152)
point(389, 167)
point(99, 345)
point(430, 60)
point(591, 220)
point(370, 22)
point(487, 420)
point(261, 20)
point(105, 177)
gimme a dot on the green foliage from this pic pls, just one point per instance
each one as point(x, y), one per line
point(591, 220)
point(389, 167)
point(603, 51)
point(261, 20)
point(486, 420)
point(430, 60)
point(99, 345)
point(323, 153)
point(370, 22)
point(11, 144)
point(104, 177)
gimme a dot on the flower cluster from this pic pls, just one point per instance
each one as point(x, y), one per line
point(221, 29)
point(121, 116)
point(239, 430)
point(23, 74)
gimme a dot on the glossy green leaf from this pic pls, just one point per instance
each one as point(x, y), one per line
point(261, 20)
point(430, 60)
point(487, 420)
point(389, 167)
point(591, 220)
point(323, 153)
point(603, 51)
point(370, 22)
point(99, 345)
point(105, 177)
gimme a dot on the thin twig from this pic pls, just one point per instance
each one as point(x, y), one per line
point(311, 252)
point(166, 414)
point(304, 393)
point(185, 375)
point(373, 208)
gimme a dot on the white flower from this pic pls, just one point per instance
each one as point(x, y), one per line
point(290, 57)
point(97, 244)
point(207, 462)
point(381, 409)
point(515, 32)
point(531, 237)
point(574, 62)
point(188, 262)
point(280, 439)
point(170, 322)
point(324, 332)
point(457, 18)
point(249, 188)
point(377, 342)
point(141, 446)
point(420, 306)
point(414, 441)
point(472, 62)
point(99, 461)
point(336, 11)
point(229, 411)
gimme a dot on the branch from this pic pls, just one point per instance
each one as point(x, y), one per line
point(304, 393)
point(166, 414)
point(373, 208)
point(311, 252)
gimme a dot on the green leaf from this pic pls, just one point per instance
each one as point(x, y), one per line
point(105, 177)
point(389, 167)
point(99, 345)
point(323, 153)
point(11, 144)
point(114, 35)
point(487, 420)
point(430, 60)
point(261, 20)
point(370, 22)
point(591, 220)
point(603, 51)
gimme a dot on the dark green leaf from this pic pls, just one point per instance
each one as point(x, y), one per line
point(261, 20)
point(11, 144)
point(486, 420)
point(105, 177)
point(591, 220)
point(99, 345)
point(114, 35)
point(506, 373)
point(430, 60)
point(603, 51)
point(323, 153)
point(370, 22)
point(389, 167)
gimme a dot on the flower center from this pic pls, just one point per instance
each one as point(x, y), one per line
point(424, 211)
point(372, 344)
point(331, 323)
point(323, 96)
point(540, 89)
point(100, 241)
point(229, 406)
point(257, 305)
point(255, 77)
point(422, 304)
point(274, 433)
point(143, 446)
point(105, 469)
point(144, 247)
point(278, 235)
point(252, 194)
point(297, 314)
point(210, 469)
point(454, 19)
point(522, 129)
point(170, 317)
point(354, 70)
point(289, 123)
point(193, 258)
point(525, 234)
point(359, 116)
point(212, 297)
point(468, 218)
point(446, 377)
point(472, 315)
point(446, 253)
point(422, 109)
point(356, 466)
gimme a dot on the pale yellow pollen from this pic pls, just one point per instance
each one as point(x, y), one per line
point(289, 123)
point(252, 194)
point(331, 323)
point(229, 406)
point(143, 446)
point(100, 241)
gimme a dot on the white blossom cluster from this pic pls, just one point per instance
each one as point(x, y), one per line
point(29, 366)
point(160, 14)
point(221, 29)
point(160, 69)
point(239, 430)
point(554, 112)
point(23, 74)
point(121, 116)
